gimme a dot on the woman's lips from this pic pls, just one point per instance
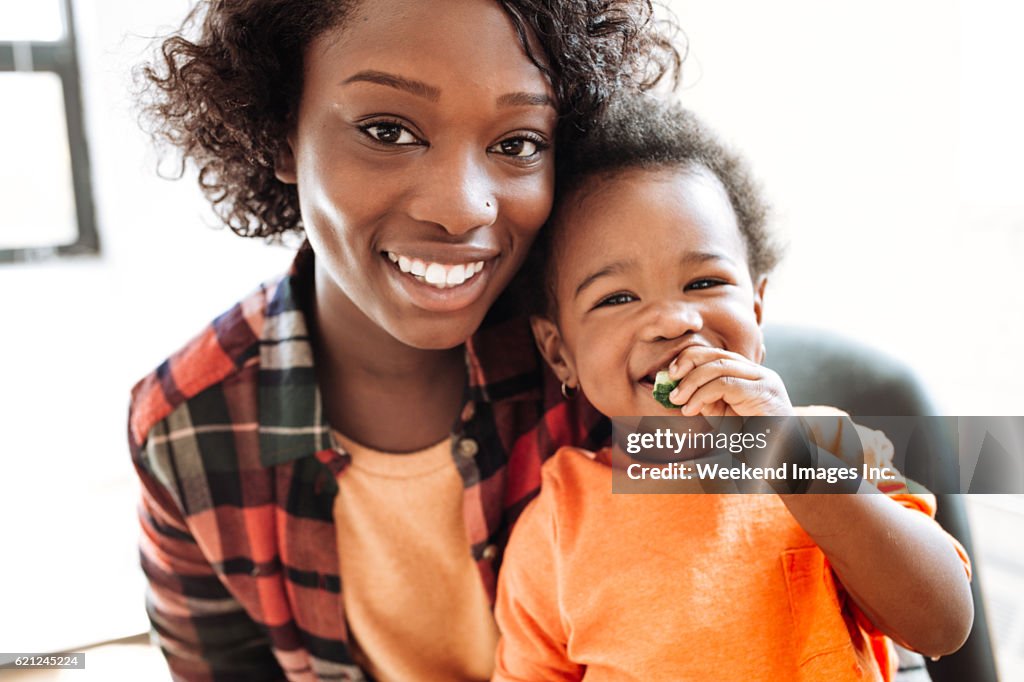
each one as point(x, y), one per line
point(436, 274)
point(441, 287)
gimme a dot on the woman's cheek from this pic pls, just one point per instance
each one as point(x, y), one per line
point(530, 204)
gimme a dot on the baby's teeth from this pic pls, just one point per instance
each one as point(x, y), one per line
point(404, 264)
point(478, 266)
point(435, 274)
point(393, 257)
point(456, 275)
point(419, 268)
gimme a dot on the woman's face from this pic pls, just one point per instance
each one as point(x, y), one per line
point(421, 152)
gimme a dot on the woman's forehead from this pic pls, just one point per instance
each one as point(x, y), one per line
point(429, 40)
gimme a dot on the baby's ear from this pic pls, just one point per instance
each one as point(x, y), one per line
point(284, 162)
point(549, 342)
point(759, 287)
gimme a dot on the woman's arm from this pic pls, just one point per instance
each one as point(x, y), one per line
point(204, 632)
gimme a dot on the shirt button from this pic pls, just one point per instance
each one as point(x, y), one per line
point(490, 552)
point(468, 448)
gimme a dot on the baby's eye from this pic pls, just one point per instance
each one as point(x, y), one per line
point(520, 147)
point(391, 133)
point(616, 299)
point(704, 284)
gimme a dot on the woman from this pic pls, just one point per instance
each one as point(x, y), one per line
point(331, 469)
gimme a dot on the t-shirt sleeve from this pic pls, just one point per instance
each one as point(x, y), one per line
point(533, 644)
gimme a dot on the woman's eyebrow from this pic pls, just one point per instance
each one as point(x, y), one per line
point(610, 269)
point(433, 93)
point(415, 87)
point(525, 99)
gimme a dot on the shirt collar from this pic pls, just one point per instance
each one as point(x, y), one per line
point(501, 359)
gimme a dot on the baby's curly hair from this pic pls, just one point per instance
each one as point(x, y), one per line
point(226, 98)
point(639, 131)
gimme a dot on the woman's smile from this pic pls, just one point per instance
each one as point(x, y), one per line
point(441, 283)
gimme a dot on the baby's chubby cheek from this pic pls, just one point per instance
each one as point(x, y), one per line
point(612, 392)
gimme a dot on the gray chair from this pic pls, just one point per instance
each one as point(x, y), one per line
point(821, 368)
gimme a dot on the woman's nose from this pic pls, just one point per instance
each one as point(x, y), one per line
point(671, 319)
point(456, 191)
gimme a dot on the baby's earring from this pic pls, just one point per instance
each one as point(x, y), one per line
point(568, 392)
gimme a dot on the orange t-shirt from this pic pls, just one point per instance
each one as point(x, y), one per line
point(599, 586)
point(414, 601)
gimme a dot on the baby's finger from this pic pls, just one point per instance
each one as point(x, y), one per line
point(711, 370)
point(715, 411)
point(740, 394)
point(690, 358)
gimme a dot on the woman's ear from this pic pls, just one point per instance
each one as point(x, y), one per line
point(549, 342)
point(284, 162)
point(762, 283)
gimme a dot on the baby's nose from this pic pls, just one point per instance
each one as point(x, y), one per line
point(672, 319)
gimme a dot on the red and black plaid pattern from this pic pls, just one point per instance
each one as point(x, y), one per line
point(238, 472)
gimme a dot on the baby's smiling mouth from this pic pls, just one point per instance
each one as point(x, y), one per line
point(435, 274)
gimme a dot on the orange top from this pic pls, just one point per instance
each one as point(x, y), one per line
point(599, 586)
point(416, 607)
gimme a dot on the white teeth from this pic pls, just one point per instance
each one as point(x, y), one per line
point(456, 275)
point(436, 274)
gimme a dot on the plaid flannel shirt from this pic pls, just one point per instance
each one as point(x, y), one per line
point(238, 473)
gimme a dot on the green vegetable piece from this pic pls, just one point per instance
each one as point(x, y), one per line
point(663, 385)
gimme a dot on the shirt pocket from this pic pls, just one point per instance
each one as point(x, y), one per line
point(821, 637)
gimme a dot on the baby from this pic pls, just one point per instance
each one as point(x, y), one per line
point(658, 247)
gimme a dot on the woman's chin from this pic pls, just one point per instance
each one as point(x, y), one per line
point(437, 332)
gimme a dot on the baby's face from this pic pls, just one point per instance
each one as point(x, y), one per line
point(649, 263)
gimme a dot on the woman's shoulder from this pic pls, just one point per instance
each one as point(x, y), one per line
point(221, 354)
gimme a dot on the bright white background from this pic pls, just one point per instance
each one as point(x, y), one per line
point(886, 135)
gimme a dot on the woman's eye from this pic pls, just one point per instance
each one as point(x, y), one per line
point(518, 147)
point(616, 299)
point(390, 133)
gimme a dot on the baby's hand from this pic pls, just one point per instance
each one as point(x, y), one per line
point(717, 383)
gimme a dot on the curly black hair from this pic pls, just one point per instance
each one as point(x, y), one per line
point(639, 131)
point(226, 98)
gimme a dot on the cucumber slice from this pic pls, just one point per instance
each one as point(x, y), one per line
point(663, 385)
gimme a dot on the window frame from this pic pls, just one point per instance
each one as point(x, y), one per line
point(60, 57)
